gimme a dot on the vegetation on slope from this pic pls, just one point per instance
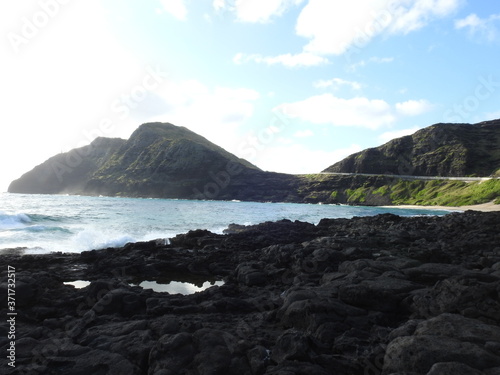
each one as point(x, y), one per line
point(422, 192)
point(451, 150)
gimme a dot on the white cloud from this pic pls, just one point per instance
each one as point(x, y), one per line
point(419, 13)
point(255, 11)
point(74, 73)
point(387, 136)
point(207, 18)
point(176, 8)
point(484, 28)
point(240, 58)
point(303, 133)
point(381, 60)
point(413, 107)
point(297, 159)
point(214, 113)
point(336, 83)
point(219, 5)
point(288, 60)
point(358, 112)
point(375, 60)
point(334, 27)
point(472, 21)
point(328, 109)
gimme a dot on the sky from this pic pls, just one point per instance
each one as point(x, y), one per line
point(291, 85)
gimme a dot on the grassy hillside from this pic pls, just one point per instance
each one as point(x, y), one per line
point(421, 192)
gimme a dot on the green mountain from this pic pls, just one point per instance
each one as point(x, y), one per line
point(164, 160)
point(159, 160)
point(452, 150)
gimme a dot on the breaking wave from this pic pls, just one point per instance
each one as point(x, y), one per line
point(9, 221)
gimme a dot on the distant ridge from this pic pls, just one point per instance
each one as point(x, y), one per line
point(447, 150)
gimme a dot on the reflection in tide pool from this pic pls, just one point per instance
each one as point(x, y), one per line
point(78, 284)
point(172, 287)
point(177, 287)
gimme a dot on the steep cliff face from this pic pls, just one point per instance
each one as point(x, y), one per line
point(67, 172)
point(452, 150)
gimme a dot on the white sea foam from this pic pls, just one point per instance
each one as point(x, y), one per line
point(158, 235)
point(92, 239)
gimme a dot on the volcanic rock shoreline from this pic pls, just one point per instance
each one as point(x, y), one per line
point(368, 295)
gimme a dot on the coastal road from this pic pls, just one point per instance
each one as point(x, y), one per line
point(408, 177)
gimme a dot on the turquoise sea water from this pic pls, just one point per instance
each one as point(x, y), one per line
point(44, 223)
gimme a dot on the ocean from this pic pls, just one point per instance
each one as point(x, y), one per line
point(48, 223)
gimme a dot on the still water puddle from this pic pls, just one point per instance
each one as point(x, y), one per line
point(78, 284)
point(164, 286)
point(179, 287)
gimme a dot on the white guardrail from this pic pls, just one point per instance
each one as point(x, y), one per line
point(407, 177)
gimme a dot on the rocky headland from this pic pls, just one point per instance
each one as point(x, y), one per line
point(368, 295)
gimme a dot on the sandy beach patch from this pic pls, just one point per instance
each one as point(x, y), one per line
point(485, 207)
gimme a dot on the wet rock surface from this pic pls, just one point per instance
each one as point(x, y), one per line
point(372, 295)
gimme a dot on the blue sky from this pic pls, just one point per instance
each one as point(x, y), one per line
point(291, 85)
